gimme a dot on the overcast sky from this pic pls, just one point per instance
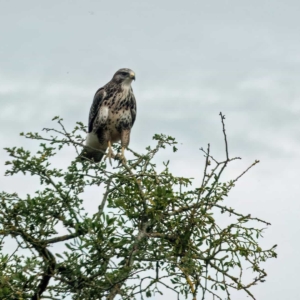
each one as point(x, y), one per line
point(192, 59)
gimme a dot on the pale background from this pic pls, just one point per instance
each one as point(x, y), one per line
point(192, 60)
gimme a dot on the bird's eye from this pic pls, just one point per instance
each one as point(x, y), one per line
point(123, 73)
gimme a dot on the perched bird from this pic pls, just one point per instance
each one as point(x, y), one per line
point(111, 117)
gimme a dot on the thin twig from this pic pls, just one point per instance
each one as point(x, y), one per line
point(225, 137)
point(237, 178)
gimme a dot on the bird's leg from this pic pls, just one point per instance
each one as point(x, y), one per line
point(123, 158)
point(125, 136)
point(110, 153)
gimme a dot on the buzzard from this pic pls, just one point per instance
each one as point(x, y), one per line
point(111, 117)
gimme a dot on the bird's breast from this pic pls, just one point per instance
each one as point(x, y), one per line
point(115, 114)
point(119, 119)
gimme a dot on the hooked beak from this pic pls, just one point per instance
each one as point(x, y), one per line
point(132, 76)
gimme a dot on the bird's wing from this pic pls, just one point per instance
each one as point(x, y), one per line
point(98, 99)
point(133, 109)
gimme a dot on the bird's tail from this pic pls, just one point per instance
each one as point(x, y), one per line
point(91, 155)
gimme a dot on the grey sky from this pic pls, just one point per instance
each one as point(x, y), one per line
point(192, 60)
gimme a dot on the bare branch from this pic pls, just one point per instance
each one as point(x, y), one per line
point(225, 137)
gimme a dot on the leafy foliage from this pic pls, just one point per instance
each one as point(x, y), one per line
point(153, 231)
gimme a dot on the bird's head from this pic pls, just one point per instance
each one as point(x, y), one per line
point(124, 76)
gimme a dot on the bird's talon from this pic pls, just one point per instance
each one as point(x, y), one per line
point(123, 159)
point(109, 154)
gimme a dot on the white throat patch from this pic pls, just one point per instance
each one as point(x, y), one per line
point(126, 85)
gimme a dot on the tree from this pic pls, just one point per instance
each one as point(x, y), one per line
point(153, 231)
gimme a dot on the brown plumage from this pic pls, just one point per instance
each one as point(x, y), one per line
point(111, 117)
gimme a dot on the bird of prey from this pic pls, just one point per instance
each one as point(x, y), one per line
point(111, 117)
